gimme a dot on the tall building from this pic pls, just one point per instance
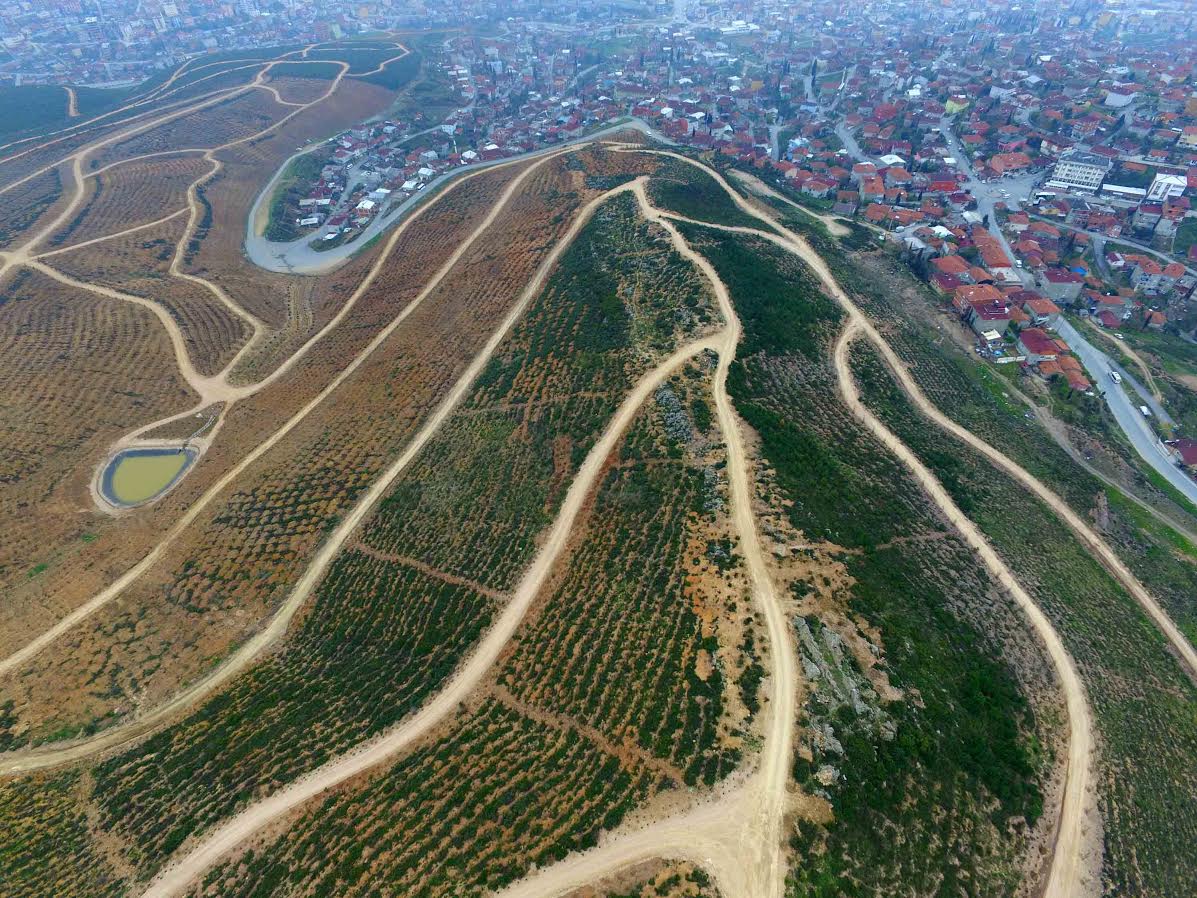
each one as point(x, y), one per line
point(1077, 170)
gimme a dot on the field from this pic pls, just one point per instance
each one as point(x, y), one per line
point(563, 763)
point(71, 566)
point(131, 195)
point(77, 370)
point(139, 264)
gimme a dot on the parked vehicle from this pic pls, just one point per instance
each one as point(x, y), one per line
point(1115, 376)
point(1145, 410)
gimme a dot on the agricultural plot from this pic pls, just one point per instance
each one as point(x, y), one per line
point(82, 568)
point(241, 556)
point(646, 295)
point(635, 653)
point(224, 121)
point(23, 206)
point(295, 88)
point(46, 846)
point(654, 728)
point(689, 191)
point(497, 794)
point(1141, 698)
point(323, 691)
point(138, 264)
point(78, 369)
point(130, 195)
point(919, 737)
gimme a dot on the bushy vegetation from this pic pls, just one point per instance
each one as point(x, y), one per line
point(45, 843)
point(464, 815)
point(616, 285)
point(638, 674)
point(690, 191)
point(1142, 699)
point(924, 789)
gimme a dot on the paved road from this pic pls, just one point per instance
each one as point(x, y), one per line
point(1100, 239)
point(1126, 411)
point(850, 144)
point(297, 257)
point(984, 193)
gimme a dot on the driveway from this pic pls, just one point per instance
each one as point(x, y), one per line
point(1126, 410)
point(297, 257)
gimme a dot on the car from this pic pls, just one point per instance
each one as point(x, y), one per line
point(1116, 377)
point(1118, 336)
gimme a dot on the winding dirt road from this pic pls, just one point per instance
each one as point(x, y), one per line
point(1072, 849)
point(1093, 542)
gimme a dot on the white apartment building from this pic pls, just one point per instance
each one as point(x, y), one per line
point(1076, 170)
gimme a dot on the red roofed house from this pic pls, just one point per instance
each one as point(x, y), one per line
point(1043, 312)
point(1062, 285)
point(953, 265)
point(1037, 346)
point(964, 297)
point(983, 317)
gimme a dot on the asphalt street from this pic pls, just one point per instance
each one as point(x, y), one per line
point(1126, 410)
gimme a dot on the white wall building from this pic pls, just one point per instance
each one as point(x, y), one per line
point(1080, 171)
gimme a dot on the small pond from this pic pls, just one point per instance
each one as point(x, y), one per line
point(135, 476)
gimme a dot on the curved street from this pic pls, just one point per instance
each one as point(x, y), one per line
point(298, 257)
point(1126, 410)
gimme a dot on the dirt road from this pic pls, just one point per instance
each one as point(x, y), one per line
point(1073, 849)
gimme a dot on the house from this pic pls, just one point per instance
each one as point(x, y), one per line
point(955, 266)
point(1037, 346)
point(1062, 285)
point(973, 294)
point(818, 187)
point(1148, 277)
point(1042, 312)
point(1155, 320)
point(988, 317)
